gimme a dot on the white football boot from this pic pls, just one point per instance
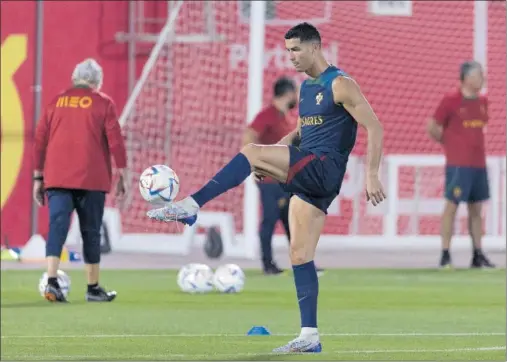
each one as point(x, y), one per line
point(184, 211)
point(305, 343)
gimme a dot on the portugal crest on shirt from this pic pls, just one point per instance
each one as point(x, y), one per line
point(318, 98)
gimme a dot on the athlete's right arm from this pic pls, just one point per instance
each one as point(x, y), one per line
point(40, 143)
point(39, 154)
point(434, 130)
point(435, 127)
point(291, 136)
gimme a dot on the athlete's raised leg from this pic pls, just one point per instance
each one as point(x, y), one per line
point(306, 223)
point(268, 160)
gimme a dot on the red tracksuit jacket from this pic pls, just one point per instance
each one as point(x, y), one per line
point(75, 138)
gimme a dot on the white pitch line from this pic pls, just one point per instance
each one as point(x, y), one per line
point(203, 335)
point(260, 354)
point(478, 349)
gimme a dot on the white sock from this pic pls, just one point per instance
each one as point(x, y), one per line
point(189, 203)
point(309, 333)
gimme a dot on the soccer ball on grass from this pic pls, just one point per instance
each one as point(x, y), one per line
point(63, 281)
point(195, 278)
point(229, 278)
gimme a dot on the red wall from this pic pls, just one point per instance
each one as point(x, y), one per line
point(73, 31)
point(17, 30)
point(404, 65)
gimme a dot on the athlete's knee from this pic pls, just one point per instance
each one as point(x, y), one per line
point(266, 230)
point(450, 208)
point(268, 223)
point(58, 229)
point(475, 210)
point(91, 246)
point(252, 152)
point(300, 253)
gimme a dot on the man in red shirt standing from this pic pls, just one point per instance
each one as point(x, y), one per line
point(75, 138)
point(459, 124)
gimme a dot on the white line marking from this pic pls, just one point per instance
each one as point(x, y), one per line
point(260, 354)
point(203, 335)
point(478, 349)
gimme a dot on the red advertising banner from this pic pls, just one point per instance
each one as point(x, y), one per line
point(72, 31)
point(17, 67)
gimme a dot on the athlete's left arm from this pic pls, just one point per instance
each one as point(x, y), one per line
point(347, 92)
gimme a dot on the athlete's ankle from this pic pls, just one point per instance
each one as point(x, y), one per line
point(190, 202)
point(309, 333)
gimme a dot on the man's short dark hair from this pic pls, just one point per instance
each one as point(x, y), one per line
point(305, 32)
point(467, 67)
point(283, 85)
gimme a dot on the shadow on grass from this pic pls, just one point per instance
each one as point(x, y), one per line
point(37, 304)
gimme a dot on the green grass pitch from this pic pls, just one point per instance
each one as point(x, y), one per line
point(363, 315)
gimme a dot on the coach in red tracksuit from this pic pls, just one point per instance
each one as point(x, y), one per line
point(75, 138)
point(459, 124)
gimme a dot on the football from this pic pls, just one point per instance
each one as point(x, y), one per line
point(195, 278)
point(63, 281)
point(229, 278)
point(159, 184)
